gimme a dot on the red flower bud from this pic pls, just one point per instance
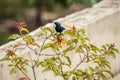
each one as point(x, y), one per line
point(9, 52)
point(23, 78)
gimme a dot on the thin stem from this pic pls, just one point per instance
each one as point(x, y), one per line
point(24, 73)
point(61, 63)
point(80, 56)
point(85, 57)
point(49, 54)
point(44, 42)
point(87, 54)
point(25, 41)
point(32, 49)
point(33, 67)
point(79, 63)
point(21, 69)
point(42, 47)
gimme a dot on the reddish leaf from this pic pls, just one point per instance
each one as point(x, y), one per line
point(23, 78)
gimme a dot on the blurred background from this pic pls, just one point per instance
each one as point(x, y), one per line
point(36, 13)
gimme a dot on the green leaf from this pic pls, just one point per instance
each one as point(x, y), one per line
point(70, 42)
point(86, 39)
point(74, 78)
point(68, 49)
point(13, 71)
point(56, 72)
point(102, 76)
point(47, 29)
point(20, 58)
point(52, 46)
point(55, 46)
point(97, 62)
point(104, 47)
point(46, 46)
point(112, 54)
point(79, 71)
point(41, 35)
point(116, 50)
point(29, 38)
point(26, 62)
point(25, 70)
point(86, 70)
point(46, 69)
point(91, 69)
point(10, 65)
point(81, 32)
point(109, 72)
point(5, 58)
point(69, 60)
point(107, 65)
point(14, 36)
point(24, 29)
point(66, 32)
point(37, 63)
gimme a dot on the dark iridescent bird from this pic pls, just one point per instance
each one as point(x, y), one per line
point(58, 27)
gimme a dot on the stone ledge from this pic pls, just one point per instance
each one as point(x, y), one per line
point(82, 18)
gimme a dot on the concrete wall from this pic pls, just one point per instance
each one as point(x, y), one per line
point(102, 23)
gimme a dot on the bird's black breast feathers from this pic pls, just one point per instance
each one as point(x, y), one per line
point(58, 27)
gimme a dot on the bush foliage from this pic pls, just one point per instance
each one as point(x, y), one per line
point(72, 41)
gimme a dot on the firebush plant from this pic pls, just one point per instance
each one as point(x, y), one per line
point(61, 46)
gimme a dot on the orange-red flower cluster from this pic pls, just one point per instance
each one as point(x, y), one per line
point(62, 41)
